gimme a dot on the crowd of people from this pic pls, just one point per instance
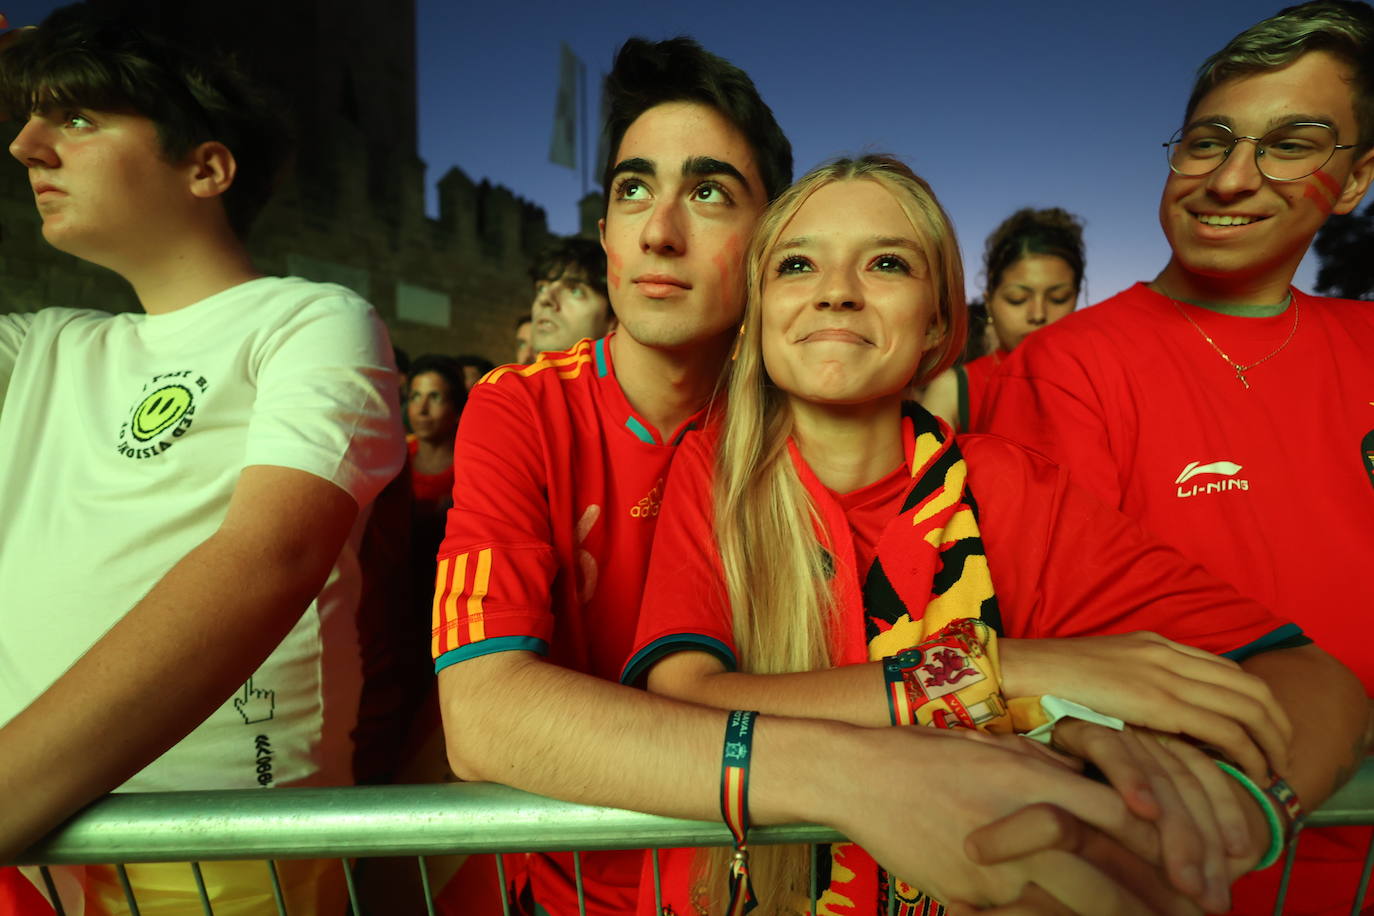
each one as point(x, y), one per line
point(698, 551)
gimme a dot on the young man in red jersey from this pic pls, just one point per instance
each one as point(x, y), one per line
point(1230, 413)
point(560, 470)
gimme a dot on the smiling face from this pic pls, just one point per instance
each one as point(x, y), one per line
point(103, 187)
point(1236, 234)
point(1035, 291)
point(848, 307)
point(685, 196)
point(566, 309)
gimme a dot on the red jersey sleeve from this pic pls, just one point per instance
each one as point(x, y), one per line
point(685, 605)
point(1064, 564)
point(496, 563)
point(1046, 397)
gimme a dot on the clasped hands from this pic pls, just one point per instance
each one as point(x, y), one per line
point(1206, 829)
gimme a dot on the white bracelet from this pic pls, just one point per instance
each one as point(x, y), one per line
point(1057, 708)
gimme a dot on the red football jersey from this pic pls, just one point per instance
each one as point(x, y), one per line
point(1062, 563)
point(1271, 487)
point(557, 490)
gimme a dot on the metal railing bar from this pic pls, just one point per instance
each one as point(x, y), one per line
point(505, 888)
point(200, 889)
point(366, 821)
point(891, 895)
point(658, 884)
point(424, 886)
point(815, 867)
point(432, 819)
point(276, 888)
point(353, 906)
point(1291, 856)
point(1364, 877)
point(577, 881)
point(52, 890)
point(129, 897)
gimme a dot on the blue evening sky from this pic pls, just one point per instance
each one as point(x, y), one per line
point(999, 103)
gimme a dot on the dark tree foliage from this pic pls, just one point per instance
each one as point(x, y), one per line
point(1345, 247)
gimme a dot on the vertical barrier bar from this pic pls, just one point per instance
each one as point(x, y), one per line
point(276, 888)
point(52, 890)
point(501, 879)
point(200, 889)
point(815, 878)
point(424, 885)
point(1288, 860)
point(129, 898)
point(891, 895)
point(577, 876)
point(658, 885)
point(1364, 877)
point(352, 888)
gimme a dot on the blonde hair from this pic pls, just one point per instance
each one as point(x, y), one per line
point(777, 575)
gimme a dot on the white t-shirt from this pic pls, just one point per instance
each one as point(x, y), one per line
point(122, 438)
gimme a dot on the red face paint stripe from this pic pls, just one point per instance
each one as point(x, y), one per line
point(1315, 194)
point(1331, 184)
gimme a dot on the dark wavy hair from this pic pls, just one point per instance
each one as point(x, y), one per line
point(1028, 231)
point(1342, 28)
point(448, 368)
point(648, 73)
point(82, 57)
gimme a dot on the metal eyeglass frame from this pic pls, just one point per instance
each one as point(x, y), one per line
point(1259, 148)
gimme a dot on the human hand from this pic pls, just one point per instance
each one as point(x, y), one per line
point(1209, 832)
point(1123, 883)
point(1155, 683)
point(968, 779)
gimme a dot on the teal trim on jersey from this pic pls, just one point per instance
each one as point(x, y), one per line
point(682, 435)
point(1288, 636)
point(488, 646)
point(601, 365)
point(638, 666)
point(640, 430)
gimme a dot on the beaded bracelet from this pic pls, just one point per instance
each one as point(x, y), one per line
point(734, 805)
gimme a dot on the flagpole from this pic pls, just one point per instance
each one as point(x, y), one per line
point(582, 72)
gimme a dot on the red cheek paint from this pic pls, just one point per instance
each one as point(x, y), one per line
point(614, 265)
point(727, 260)
point(1323, 192)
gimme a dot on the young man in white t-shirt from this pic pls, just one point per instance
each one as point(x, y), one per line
point(184, 488)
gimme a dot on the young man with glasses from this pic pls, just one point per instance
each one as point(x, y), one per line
point(1230, 413)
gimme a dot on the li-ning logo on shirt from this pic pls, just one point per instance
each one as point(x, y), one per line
point(649, 505)
point(1227, 470)
point(162, 414)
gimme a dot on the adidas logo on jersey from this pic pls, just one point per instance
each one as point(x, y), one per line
point(649, 505)
point(1226, 470)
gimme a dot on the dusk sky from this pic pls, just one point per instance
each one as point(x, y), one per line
point(999, 104)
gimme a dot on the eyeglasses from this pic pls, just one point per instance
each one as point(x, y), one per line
point(1286, 153)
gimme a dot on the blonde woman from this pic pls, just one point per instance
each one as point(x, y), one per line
point(823, 526)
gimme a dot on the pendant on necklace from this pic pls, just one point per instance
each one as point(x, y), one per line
point(1241, 375)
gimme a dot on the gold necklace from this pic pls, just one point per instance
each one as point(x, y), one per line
point(1240, 370)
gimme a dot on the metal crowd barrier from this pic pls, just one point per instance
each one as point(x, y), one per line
point(420, 821)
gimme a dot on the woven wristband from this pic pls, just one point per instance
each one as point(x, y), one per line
point(899, 708)
point(1270, 809)
point(734, 805)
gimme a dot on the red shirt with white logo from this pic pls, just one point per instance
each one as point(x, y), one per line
point(1269, 487)
point(557, 486)
point(1062, 563)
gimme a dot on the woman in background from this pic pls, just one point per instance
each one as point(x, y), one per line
point(1034, 266)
